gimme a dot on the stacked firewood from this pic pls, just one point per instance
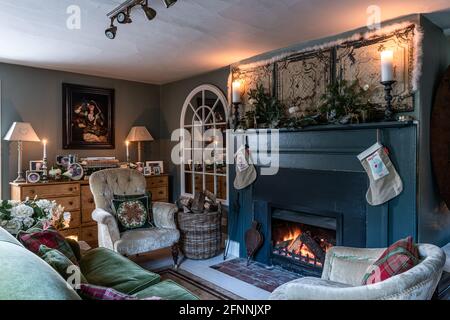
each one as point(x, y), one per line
point(203, 203)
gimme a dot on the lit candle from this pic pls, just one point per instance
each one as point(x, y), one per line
point(237, 92)
point(128, 150)
point(44, 142)
point(387, 65)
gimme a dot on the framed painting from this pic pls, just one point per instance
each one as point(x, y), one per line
point(88, 117)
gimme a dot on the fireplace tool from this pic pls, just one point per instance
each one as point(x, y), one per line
point(253, 240)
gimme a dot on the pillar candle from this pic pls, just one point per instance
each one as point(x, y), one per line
point(387, 65)
point(44, 142)
point(237, 93)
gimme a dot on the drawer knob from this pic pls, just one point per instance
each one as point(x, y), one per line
point(71, 203)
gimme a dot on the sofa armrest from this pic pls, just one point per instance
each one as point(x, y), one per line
point(108, 230)
point(164, 215)
point(348, 265)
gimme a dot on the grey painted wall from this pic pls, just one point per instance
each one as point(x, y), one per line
point(35, 96)
point(173, 96)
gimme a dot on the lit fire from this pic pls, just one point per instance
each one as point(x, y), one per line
point(292, 246)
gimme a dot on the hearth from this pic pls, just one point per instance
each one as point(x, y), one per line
point(300, 240)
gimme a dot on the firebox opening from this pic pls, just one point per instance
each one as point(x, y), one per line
point(301, 243)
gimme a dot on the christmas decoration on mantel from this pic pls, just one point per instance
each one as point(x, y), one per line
point(365, 78)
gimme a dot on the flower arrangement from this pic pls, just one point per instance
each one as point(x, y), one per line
point(16, 216)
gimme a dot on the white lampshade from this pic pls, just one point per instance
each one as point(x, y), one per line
point(139, 134)
point(22, 131)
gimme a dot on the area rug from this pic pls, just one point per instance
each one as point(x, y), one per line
point(201, 288)
point(256, 274)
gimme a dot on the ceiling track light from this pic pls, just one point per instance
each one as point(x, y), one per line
point(169, 3)
point(150, 13)
point(122, 14)
point(111, 31)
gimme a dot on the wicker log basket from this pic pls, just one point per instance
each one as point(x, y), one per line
point(201, 234)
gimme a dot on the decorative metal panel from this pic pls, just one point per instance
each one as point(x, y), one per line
point(360, 60)
point(254, 76)
point(303, 78)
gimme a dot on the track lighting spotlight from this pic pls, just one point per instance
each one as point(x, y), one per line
point(124, 17)
point(169, 3)
point(122, 13)
point(149, 12)
point(111, 31)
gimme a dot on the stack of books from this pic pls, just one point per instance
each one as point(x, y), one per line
point(93, 164)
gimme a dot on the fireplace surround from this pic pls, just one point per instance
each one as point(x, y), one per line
point(320, 176)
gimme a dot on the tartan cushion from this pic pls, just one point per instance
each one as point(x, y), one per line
point(398, 258)
point(33, 239)
point(133, 211)
point(91, 292)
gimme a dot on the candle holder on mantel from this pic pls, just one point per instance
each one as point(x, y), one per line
point(388, 113)
point(236, 119)
point(44, 178)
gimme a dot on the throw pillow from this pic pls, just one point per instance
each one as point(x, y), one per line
point(91, 292)
point(59, 262)
point(398, 258)
point(133, 212)
point(51, 238)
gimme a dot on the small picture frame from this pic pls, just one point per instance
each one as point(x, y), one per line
point(36, 165)
point(63, 161)
point(140, 167)
point(148, 171)
point(156, 171)
point(33, 176)
point(153, 164)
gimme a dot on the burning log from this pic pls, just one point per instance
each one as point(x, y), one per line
point(313, 246)
point(283, 245)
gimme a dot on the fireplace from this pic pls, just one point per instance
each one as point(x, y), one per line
point(300, 240)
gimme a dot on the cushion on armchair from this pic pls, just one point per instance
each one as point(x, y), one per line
point(398, 258)
point(133, 211)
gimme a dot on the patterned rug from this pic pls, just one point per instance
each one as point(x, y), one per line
point(201, 288)
point(257, 274)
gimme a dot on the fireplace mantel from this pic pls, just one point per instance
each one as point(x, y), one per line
point(319, 171)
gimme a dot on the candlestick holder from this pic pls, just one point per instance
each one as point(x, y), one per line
point(388, 113)
point(236, 119)
point(44, 177)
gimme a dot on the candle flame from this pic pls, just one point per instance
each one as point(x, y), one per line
point(387, 55)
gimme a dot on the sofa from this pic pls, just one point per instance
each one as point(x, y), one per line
point(344, 269)
point(25, 276)
point(107, 183)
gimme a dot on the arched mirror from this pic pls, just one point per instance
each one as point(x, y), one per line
point(204, 119)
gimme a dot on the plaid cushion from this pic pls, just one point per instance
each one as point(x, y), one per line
point(398, 258)
point(33, 239)
point(91, 292)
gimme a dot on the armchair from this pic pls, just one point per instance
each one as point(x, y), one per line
point(345, 267)
point(107, 183)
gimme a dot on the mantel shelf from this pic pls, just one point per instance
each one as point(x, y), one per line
point(334, 127)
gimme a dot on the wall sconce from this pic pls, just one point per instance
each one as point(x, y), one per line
point(387, 80)
point(236, 101)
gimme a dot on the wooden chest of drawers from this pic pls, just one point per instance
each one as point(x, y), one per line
point(76, 198)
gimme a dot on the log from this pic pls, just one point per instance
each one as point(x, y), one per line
point(313, 246)
point(283, 245)
point(198, 204)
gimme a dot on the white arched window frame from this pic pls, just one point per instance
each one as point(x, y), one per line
point(203, 118)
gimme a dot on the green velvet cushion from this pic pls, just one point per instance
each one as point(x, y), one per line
point(59, 262)
point(167, 290)
point(25, 276)
point(106, 268)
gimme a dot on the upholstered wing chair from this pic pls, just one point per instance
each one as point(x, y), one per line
point(344, 270)
point(107, 183)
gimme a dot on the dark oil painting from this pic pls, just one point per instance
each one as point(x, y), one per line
point(88, 117)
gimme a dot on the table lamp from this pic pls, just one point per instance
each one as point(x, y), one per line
point(139, 135)
point(21, 132)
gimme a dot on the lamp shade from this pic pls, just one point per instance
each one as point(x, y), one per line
point(139, 134)
point(22, 131)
